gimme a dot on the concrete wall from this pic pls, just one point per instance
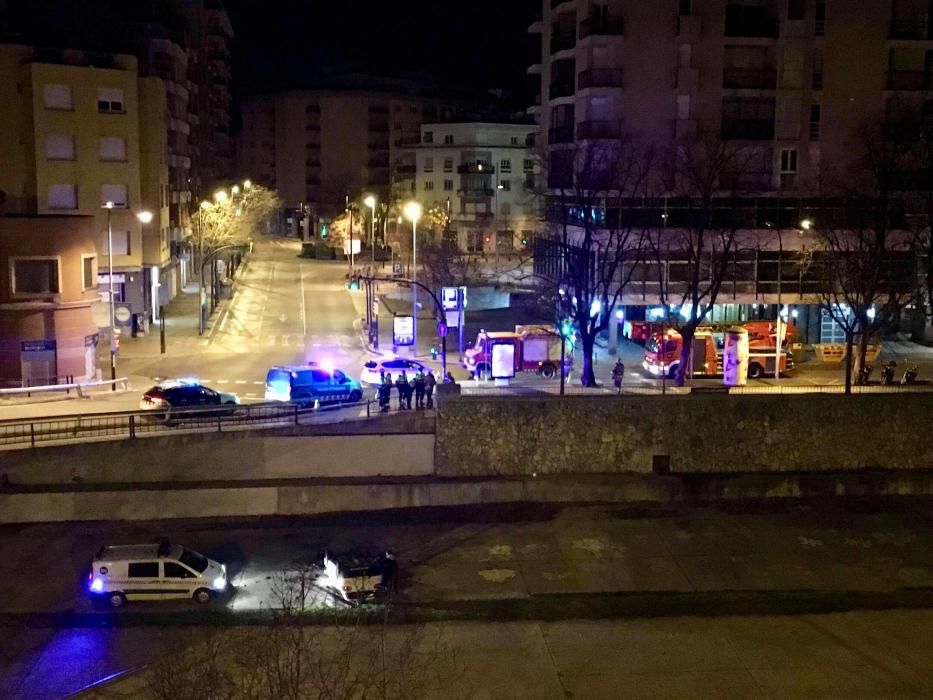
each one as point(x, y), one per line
point(693, 434)
point(232, 456)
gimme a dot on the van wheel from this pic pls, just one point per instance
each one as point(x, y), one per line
point(355, 396)
point(116, 600)
point(755, 371)
point(548, 371)
point(202, 596)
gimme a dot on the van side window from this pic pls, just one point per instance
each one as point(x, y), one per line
point(173, 570)
point(144, 570)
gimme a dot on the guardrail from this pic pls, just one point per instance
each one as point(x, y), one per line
point(132, 425)
point(79, 387)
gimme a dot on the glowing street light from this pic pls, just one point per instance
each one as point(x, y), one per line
point(413, 211)
point(220, 196)
point(806, 224)
point(235, 189)
point(247, 184)
point(144, 216)
point(205, 205)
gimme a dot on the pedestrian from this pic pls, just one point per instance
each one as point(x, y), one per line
point(385, 393)
point(618, 372)
point(429, 382)
point(402, 385)
point(449, 379)
point(410, 393)
point(418, 382)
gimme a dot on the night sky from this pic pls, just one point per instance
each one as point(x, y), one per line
point(477, 44)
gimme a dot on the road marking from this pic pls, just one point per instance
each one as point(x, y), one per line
point(241, 381)
point(258, 382)
point(222, 381)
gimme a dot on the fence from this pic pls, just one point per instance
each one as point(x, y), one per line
point(137, 424)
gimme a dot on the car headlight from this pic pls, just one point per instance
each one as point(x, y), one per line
point(219, 583)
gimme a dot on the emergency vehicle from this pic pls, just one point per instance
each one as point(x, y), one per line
point(537, 349)
point(662, 351)
point(310, 383)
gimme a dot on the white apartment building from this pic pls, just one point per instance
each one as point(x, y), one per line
point(484, 175)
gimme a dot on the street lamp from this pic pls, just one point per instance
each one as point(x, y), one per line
point(113, 341)
point(220, 196)
point(235, 189)
point(412, 211)
point(370, 201)
point(205, 205)
point(247, 184)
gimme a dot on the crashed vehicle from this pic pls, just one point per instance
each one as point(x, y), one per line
point(359, 577)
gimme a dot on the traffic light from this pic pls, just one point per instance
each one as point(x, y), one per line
point(566, 329)
point(323, 230)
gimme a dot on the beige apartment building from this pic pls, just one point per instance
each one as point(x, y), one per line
point(84, 129)
point(317, 147)
point(794, 81)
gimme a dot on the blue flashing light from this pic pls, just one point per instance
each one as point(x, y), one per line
point(97, 585)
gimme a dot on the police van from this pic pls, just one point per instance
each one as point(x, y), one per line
point(154, 572)
point(310, 383)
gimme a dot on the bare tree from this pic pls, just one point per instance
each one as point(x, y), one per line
point(589, 260)
point(865, 263)
point(692, 252)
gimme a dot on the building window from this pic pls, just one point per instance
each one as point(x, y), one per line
point(474, 241)
point(428, 185)
point(88, 272)
point(63, 197)
point(796, 9)
point(34, 276)
point(60, 147)
point(514, 140)
point(788, 167)
point(448, 165)
point(113, 148)
point(506, 185)
point(815, 117)
point(448, 138)
point(684, 7)
point(817, 76)
point(429, 165)
point(819, 27)
point(121, 243)
point(528, 165)
point(683, 106)
point(448, 185)
point(110, 101)
point(413, 109)
point(428, 137)
point(115, 194)
point(57, 96)
point(505, 208)
point(505, 165)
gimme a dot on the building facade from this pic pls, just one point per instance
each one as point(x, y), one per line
point(792, 82)
point(84, 130)
point(483, 176)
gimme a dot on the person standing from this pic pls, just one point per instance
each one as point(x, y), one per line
point(410, 393)
point(429, 382)
point(402, 385)
point(385, 393)
point(618, 373)
point(418, 381)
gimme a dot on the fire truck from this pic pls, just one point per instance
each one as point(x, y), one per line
point(537, 349)
point(662, 351)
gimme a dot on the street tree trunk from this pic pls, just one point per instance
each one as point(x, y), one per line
point(850, 346)
point(587, 343)
point(686, 354)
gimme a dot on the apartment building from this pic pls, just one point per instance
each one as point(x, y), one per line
point(793, 81)
point(483, 176)
point(84, 129)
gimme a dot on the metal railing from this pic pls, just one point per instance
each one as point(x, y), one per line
point(82, 388)
point(132, 425)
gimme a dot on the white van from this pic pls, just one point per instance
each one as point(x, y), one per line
point(154, 572)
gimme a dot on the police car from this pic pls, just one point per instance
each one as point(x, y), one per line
point(309, 383)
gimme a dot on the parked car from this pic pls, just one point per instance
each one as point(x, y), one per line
point(393, 366)
point(154, 572)
point(185, 394)
point(306, 384)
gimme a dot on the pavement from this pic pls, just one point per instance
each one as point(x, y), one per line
point(698, 602)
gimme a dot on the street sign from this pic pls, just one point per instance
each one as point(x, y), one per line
point(396, 268)
point(441, 330)
point(453, 298)
point(356, 247)
point(37, 346)
point(403, 330)
point(452, 319)
point(503, 360)
point(122, 313)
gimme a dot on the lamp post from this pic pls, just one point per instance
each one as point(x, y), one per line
point(412, 212)
point(113, 340)
point(205, 205)
point(370, 202)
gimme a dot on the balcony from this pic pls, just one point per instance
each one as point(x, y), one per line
point(748, 129)
point(405, 169)
point(599, 129)
point(602, 26)
point(750, 21)
point(749, 78)
point(476, 192)
point(560, 134)
point(909, 80)
point(563, 88)
point(600, 78)
point(915, 28)
point(476, 169)
point(561, 42)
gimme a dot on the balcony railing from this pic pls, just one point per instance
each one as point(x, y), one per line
point(563, 88)
point(909, 80)
point(915, 28)
point(600, 77)
point(562, 41)
point(476, 169)
point(599, 129)
point(560, 134)
point(748, 129)
point(475, 192)
point(749, 78)
point(602, 26)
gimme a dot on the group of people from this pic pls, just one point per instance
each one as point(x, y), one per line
point(421, 387)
